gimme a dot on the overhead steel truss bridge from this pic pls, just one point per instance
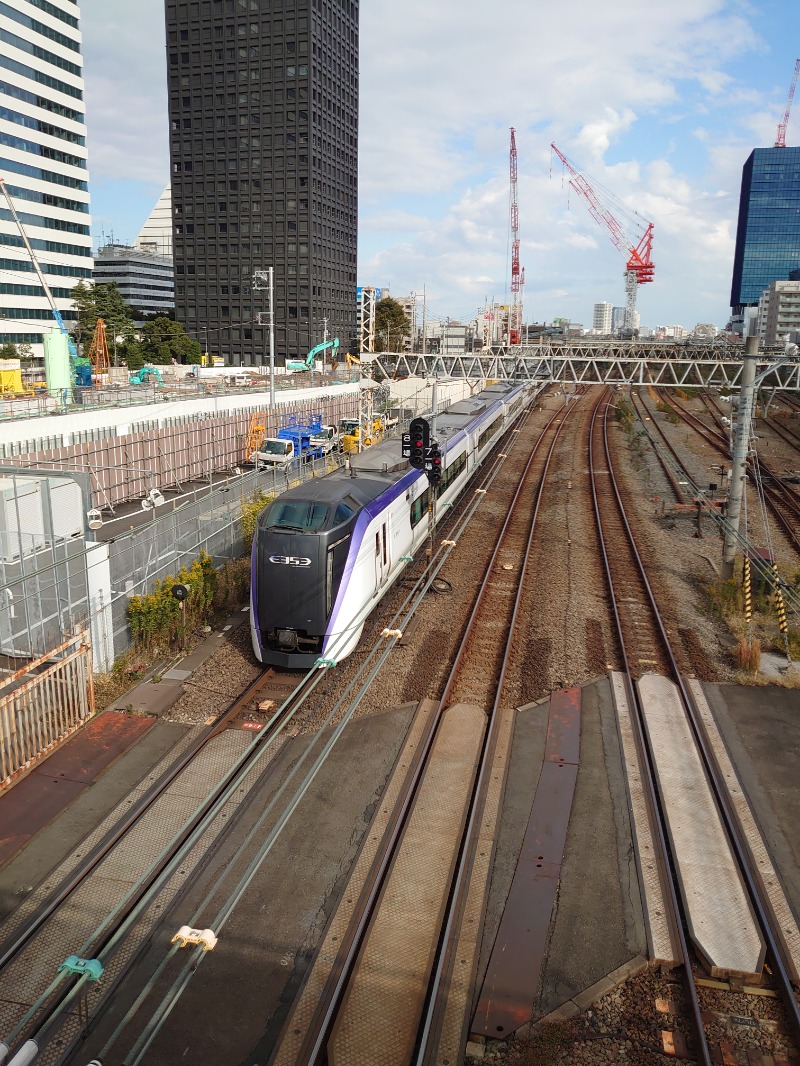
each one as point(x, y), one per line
point(632, 363)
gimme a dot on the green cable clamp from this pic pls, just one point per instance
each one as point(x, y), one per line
point(323, 663)
point(406, 558)
point(91, 968)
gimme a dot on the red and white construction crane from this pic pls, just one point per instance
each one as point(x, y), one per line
point(517, 275)
point(634, 237)
point(780, 140)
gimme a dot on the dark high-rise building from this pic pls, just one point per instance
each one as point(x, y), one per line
point(768, 234)
point(263, 109)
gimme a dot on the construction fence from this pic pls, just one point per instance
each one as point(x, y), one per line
point(172, 452)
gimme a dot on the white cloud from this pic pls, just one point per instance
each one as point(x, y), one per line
point(657, 101)
point(126, 90)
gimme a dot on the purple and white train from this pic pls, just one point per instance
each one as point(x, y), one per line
point(327, 551)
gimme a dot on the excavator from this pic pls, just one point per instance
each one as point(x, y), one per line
point(309, 362)
point(146, 376)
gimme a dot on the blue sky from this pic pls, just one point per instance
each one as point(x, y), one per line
point(661, 102)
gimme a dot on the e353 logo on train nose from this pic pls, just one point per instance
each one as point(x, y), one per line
point(290, 560)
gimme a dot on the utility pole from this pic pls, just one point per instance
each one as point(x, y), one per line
point(741, 446)
point(424, 312)
point(744, 420)
point(271, 338)
point(324, 341)
point(259, 278)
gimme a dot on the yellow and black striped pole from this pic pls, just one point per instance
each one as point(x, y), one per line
point(780, 607)
point(748, 592)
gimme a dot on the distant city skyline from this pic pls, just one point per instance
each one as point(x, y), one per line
point(692, 89)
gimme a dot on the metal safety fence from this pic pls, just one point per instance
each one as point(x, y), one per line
point(42, 703)
point(209, 521)
point(172, 452)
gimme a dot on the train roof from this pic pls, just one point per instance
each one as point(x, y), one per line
point(378, 467)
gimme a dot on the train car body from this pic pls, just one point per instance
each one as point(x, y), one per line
point(327, 551)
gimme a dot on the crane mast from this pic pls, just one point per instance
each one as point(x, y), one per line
point(780, 140)
point(628, 239)
point(517, 276)
point(37, 268)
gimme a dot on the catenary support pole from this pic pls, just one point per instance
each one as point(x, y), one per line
point(271, 341)
point(744, 420)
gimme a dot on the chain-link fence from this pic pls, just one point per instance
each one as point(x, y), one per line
point(210, 522)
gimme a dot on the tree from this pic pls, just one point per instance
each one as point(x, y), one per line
point(105, 301)
point(9, 351)
point(163, 340)
point(391, 326)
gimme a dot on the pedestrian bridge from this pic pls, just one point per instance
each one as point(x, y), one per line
point(621, 363)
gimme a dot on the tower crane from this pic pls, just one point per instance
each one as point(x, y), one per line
point(780, 140)
point(517, 276)
point(634, 238)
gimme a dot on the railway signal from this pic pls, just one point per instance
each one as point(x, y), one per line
point(433, 464)
point(420, 437)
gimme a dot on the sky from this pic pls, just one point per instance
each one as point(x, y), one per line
point(659, 102)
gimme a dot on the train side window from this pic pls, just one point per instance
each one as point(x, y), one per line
point(377, 545)
point(384, 544)
point(343, 512)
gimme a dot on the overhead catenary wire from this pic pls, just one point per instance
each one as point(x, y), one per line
point(363, 678)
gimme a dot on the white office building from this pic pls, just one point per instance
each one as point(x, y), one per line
point(601, 319)
point(779, 312)
point(43, 163)
point(155, 235)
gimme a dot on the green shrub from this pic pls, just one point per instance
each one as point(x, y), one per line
point(251, 508)
point(157, 619)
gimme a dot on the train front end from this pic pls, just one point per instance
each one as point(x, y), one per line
point(294, 570)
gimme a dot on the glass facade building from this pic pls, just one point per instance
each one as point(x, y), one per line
point(768, 233)
point(43, 161)
point(263, 109)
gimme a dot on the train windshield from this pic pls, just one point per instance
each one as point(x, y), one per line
point(301, 515)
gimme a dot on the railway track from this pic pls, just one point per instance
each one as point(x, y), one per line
point(665, 710)
point(783, 504)
point(49, 1023)
point(144, 848)
point(425, 868)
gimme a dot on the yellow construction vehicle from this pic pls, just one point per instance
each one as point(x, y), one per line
point(351, 360)
point(350, 430)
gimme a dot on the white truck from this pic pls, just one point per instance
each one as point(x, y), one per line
point(274, 454)
point(328, 439)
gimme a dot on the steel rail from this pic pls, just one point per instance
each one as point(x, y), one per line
point(642, 743)
point(636, 400)
point(775, 496)
point(382, 649)
point(444, 957)
point(123, 826)
point(762, 569)
point(322, 1023)
point(784, 432)
point(786, 492)
point(108, 936)
point(721, 796)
